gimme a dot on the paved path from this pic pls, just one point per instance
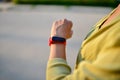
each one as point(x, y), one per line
point(24, 33)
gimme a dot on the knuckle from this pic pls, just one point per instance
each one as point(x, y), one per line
point(64, 20)
point(54, 22)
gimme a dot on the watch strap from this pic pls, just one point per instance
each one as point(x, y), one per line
point(57, 40)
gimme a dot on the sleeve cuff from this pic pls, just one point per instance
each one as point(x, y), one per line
point(58, 62)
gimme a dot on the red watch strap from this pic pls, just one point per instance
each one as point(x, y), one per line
point(55, 42)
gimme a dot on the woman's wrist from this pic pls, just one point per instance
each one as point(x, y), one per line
point(57, 51)
point(57, 40)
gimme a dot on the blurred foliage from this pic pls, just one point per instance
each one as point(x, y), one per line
point(110, 3)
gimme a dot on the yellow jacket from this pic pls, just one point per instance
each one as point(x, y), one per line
point(98, 59)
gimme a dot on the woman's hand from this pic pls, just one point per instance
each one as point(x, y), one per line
point(62, 28)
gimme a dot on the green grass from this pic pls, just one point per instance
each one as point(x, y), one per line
point(110, 3)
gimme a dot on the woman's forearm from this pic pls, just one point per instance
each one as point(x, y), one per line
point(57, 51)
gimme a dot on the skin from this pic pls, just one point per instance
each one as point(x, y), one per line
point(63, 28)
point(115, 14)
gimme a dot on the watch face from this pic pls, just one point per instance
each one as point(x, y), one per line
point(58, 39)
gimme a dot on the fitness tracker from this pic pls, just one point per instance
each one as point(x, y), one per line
point(57, 40)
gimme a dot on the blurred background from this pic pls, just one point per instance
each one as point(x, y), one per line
point(25, 28)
